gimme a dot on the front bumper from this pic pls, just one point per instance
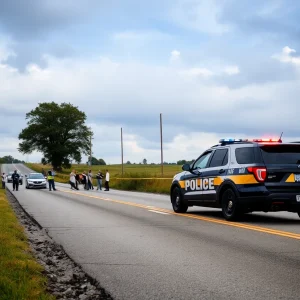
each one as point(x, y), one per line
point(272, 202)
point(36, 186)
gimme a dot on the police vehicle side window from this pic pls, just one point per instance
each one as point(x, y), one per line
point(220, 158)
point(245, 155)
point(202, 161)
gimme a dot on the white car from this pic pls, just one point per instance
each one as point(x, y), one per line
point(36, 180)
point(9, 179)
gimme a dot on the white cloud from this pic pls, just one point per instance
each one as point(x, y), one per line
point(206, 73)
point(232, 70)
point(130, 36)
point(286, 56)
point(197, 72)
point(131, 95)
point(200, 15)
point(175, 56)
point(5, 53)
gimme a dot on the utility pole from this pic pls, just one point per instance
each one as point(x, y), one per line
point(91, 145)
point(122, 157)
point(161, 147)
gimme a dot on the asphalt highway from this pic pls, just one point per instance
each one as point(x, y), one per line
point(137, 248)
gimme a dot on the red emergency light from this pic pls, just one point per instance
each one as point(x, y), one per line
point(267, 140)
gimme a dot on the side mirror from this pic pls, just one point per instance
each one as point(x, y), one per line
point(186, 167)
point(25, 175)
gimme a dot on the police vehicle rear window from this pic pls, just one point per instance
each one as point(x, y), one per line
point(245, 155)
point(281, 154)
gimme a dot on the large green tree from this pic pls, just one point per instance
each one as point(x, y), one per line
point(57, 131)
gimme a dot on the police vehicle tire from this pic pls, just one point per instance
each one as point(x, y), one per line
point(230, 207)
point(179, 206)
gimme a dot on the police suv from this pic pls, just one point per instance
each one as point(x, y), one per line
point(241, 176)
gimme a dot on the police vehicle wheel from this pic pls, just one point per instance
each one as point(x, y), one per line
point(177, 201)
point(229, 205)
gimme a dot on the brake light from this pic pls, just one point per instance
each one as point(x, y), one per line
point(260, 173)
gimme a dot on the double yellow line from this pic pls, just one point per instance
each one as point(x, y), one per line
point(191, 216)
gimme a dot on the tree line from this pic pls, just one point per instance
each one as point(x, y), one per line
point(8, 159)
point(179, 162)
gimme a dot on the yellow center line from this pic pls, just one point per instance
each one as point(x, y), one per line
point(191, 216)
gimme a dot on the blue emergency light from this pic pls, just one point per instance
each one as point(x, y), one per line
point(230, 141)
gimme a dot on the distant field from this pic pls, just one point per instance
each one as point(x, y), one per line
point(133, 176)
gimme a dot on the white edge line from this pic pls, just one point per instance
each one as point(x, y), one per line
point(158, 212)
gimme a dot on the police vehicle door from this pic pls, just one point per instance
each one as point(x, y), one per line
point(217, 166)
point(194, 179)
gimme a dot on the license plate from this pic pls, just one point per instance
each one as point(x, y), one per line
point(297, 177)
point(298, 198)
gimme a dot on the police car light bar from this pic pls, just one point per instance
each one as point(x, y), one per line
point(267, 140)
point(228, 141)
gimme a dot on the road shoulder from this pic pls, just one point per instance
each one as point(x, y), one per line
point(66, 280)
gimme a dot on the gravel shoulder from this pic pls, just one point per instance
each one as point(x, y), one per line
point(66, 280)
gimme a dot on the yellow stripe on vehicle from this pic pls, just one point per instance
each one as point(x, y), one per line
point(243, 179)
point(182, 183)
point(291, 178)
point(218, 181)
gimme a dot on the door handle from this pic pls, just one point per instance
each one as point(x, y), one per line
point(222, 171)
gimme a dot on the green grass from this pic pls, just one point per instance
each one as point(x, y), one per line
point(20, 275)
point(133, 179)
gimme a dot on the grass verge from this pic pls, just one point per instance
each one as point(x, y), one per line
point(20, 275)
point(134, 178)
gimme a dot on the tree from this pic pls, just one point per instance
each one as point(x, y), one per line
point(44, 161)
point(95, 161)
point(128, 163)
point(58, 131)
point(144, 161)
point(101, 162)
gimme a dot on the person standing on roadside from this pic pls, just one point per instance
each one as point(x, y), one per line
point(73, 180)
point(85, 181)
point(53, 172)
point(51, 181)
point(3, 180)
point(99, 177)
point(15, 179)
point(77, 179)
point(107, 181)
point(90, 180)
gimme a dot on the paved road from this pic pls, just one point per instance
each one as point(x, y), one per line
point(138, 249)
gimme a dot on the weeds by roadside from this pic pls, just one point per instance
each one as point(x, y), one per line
point(20, 275)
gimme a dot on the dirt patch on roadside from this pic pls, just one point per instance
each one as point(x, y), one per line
point(66, 279)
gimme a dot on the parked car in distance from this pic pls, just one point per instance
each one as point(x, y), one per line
point(36, 180)
point(9, 179)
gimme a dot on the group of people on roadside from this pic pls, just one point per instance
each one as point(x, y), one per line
point(86, 179)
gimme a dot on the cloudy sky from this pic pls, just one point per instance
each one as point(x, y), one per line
point(213, 68)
